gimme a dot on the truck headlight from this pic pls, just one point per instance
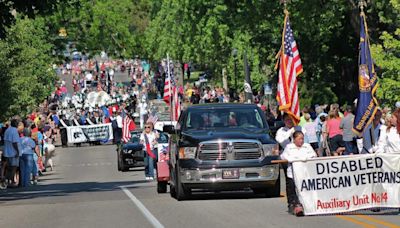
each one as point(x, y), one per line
point(270, 149)
point(187, 152)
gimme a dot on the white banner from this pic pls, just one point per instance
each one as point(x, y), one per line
point(348, 183)
point(89, 133)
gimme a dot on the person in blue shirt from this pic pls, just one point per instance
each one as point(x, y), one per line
point(12, 151)
point(26, 161)
point(82, 119)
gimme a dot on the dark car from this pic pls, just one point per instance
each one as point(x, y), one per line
point(222, 147)
point(131, 154)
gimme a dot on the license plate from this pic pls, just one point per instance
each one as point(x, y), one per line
point(230, 174)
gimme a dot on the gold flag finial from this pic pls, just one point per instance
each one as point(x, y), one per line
point(285, 2)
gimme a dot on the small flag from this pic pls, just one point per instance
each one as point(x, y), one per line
point(153, 118)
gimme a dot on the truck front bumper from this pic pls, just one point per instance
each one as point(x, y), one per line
point(268, 173)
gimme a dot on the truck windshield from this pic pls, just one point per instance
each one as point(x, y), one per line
point(247, 118)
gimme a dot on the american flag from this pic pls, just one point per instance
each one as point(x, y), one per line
point(289, 68)
point(171, 92)
point(169, 82)
point(127, 126)
point(153, 118)
point(177, 105)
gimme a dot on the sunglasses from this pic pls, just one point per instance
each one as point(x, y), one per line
point(147, 127)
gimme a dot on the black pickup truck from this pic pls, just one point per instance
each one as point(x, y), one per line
point(222, 147)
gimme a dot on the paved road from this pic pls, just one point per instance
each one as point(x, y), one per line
point(86, 190)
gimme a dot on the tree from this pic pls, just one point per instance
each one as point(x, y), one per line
point(116, 27)
point(386, 53)
point(327, 34)
point(8, 9)
point(25, 67)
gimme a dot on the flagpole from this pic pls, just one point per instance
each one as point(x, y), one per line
point(247, 82)
point(362, 4)
point(169, 88)
point(282, 52)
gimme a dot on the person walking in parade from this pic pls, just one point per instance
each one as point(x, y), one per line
point(297, 150)
point(284, 136)
point(149, 141)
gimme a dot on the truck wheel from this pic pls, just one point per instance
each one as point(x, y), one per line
point(124, 168)
point(121, 165)
point(181, 192)
point(162, 186)
point(272, 191)
point(172, 190)
point(118, 161)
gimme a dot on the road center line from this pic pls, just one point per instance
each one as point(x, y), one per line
point(378, 221)
point(150, 217)
point(355, 221)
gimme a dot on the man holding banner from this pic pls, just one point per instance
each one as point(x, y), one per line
point(287, 95)
point(298, 150)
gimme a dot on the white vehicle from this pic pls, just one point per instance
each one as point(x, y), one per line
point(163, 120)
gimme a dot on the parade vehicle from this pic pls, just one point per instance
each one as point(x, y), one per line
point(131, 154)
point(217, 147)
point(164, 119)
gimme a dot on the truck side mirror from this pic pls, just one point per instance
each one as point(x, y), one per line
point(170, 129)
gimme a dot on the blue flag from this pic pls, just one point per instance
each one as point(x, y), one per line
point(367, 83)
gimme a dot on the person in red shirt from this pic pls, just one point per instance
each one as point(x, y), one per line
point(335, 134)
point(32, 116)
point(58, 91)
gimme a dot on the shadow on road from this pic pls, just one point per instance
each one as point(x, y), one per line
point(63, 189)
point(224, 195)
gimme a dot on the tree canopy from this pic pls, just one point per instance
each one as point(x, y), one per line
point(327, 33)
point(26, 73)
point(207, 33)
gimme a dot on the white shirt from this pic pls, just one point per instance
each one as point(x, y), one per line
point(369, 137)
point(389, 141)
point(152, 137)
point(284, 135)
point(119, 121)
point(89, 77)
point(294, 153)
point(111, 72)
point(311, 129)
point(142, 108)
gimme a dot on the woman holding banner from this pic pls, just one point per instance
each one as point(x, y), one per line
point(295, 151)
point(149, 141)
point(390, 141)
